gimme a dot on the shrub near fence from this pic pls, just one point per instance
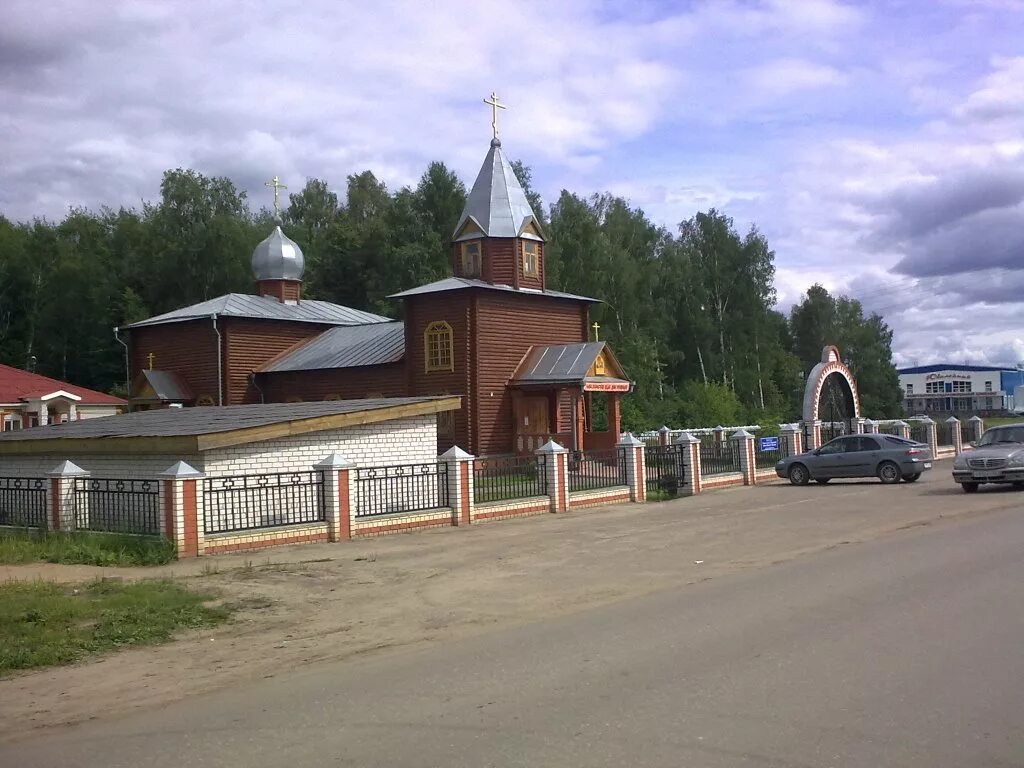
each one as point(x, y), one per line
point(499, 478)
point(719, 458)
point(247, 502)
point(401, 488)
point(590, 470)
point(117, 505)
point(23, 501)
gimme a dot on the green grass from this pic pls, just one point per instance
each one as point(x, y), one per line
point(84, 548)
point(1004, 420)
point(43, 624)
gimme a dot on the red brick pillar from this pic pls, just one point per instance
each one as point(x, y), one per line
point(744, 442)
point(337, 479)
point(62, 495)
point(556, 474)
point(958, 435)
point(460, 483)
point(690, 446)
point(790, 436)
point(664, 435)
point(181, 510)
point(636, 472)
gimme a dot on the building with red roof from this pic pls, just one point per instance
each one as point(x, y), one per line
point(30, 400)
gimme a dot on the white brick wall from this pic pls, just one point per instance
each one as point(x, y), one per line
point(100, 465)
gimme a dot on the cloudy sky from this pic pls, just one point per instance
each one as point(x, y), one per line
point(879, 145)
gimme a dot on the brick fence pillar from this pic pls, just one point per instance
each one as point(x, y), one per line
point(812, 430)
point(182, 521)
point(556, 474)
point(338, 481)
point(957, 435)
point(719, 434)
point(977, 428)
point(902, 429)
point(62, 495)
point(932, 433)
point(870, 427)
point(460, 483)
point(664, 435)
point(859, 426)
point(690, 447)
point(744, 442)
point(790, 436)
point(636, 470)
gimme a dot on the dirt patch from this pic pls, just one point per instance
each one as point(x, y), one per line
point(315, 603)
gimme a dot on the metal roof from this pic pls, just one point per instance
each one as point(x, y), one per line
point(462, 283)
point(104, 434)
point(345, 347)
point(558, 363)
point(167, 386)
point(952, 367)
point(278, 257)
point(265, 308)
point(497, 202)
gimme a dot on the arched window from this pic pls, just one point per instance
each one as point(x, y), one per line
point(438, 347)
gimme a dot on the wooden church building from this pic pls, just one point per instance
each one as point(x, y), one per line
point(517, 353)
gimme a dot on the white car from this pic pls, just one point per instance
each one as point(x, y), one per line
point(997, 458)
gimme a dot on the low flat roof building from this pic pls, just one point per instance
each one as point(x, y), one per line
point(958, 389)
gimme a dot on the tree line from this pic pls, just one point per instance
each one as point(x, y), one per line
point(690, 313)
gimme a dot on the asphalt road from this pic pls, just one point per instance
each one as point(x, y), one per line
point(903, 651)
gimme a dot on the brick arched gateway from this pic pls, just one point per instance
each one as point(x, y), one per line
point(834, 376)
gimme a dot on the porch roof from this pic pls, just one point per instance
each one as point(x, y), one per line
point(567, 365)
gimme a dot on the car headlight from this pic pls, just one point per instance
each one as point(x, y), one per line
point(960, 462)
point(1016, 461)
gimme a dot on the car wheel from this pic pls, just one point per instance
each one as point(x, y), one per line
point(969, 487)
point(912, 478)
point(888, 472)
point(798, 475)
point(822, 480)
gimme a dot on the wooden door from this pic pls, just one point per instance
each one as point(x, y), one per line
point(535, 412)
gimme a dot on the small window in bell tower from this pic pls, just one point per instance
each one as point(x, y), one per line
point(471, 259)
point(530, 259)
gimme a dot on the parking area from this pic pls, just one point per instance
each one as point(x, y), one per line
point(306, 604)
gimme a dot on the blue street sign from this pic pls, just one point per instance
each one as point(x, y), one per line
point(768, 443)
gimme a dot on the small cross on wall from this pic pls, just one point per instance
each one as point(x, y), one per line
point(150, 358)
point(596, 328)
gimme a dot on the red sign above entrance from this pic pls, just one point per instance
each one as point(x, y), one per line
point(606, 386)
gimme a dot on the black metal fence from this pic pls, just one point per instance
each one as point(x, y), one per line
point(590, 470)
point(769, 450)
point(401, 488)
point(919, 432)
point(117, 505)
point(832, 430)
point(946, 434)
point(665, 468)
point(497, 478)
point(23, 501)
point(719, 457)
point(246, 502)
point(965, 433)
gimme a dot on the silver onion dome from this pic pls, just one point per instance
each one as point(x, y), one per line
point(278, 258)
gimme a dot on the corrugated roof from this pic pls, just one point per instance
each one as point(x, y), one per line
point(345, 347)
point(462, 283)
point(184, 422)
point(952, 367)
point(558, 362)
point(497, 202)
point(16, 385)
point(244, 305)
point(168, 386)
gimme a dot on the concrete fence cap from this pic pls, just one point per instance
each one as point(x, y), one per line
point(927, 420)
point(551, 447)
point(456, 453)
point(900, 423)
point(664, 428)
point(180, 470)
point(67, 469)
point(975, 418)
point(952, 420)
point(789, 427)
point(628, 440)
point(741, 434)
point(687, 439)
point(335, 460)
point(719, 428)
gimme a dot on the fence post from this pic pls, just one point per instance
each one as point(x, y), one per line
point(636, 470)
point(556, 470)
point(664, 434)
point(745, 447)
point(977, 428)
point(932, 435)
point(956, 434)
point(181, 508)
point(870, 427)
point(790, 434)
point(813, 431)
point(859, 426)
point(690, 446)
point(336, 470)
point(902, 429)
point(719, 433)
point(62, 495)
point(460, 483)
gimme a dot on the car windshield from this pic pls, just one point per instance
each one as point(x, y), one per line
point(1013, 434)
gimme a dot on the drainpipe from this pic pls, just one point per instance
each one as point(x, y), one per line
point(252, 380)
point(220, 362)
point(127, 369)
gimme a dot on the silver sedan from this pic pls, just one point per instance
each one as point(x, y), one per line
point(887, 457)
point(997, 458)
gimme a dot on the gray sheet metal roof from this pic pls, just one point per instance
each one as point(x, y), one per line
point(168, 386)
point(462, 283)
point(244, 305)
point(345, 347)
point(497, 202)
point(567, 363)
point(186, 422)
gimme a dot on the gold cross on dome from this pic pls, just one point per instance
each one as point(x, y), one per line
point(150, 358)
point(596, 328)
point(278, 186)
point(495, 106)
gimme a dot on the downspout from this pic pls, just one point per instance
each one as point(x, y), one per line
point(127, 370)
point(220, 362)
point(252, 380)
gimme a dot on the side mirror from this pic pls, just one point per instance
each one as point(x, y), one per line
point(974, 443)
point(816, 452)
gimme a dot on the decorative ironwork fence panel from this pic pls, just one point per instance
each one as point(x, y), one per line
point(590, 470)
point(114, 505)
point(945, 436)
point(719, 458)
point(246, 502)
point(832, 430)
point(23, 501)
point(497, 478)
point(965, 433)
point(665, 468)
point(919, 432)
point(401, 488)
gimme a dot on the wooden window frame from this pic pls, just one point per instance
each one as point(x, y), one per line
point(438, 344)
point(465, 261)
point(534, 257)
